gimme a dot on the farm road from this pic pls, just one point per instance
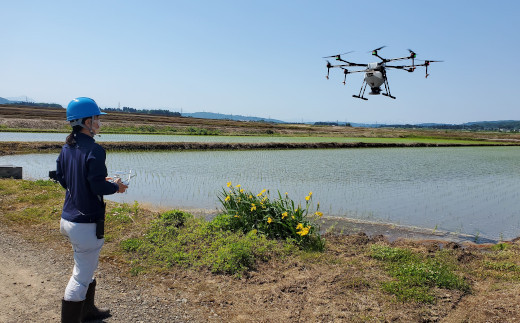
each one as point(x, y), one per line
point(32, 282)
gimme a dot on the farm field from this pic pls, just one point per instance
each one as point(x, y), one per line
point(19, 118)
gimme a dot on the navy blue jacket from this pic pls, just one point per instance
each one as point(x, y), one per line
point(81, 170)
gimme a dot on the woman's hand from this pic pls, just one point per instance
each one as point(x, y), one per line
point(122, 187)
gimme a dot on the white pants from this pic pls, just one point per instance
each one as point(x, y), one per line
point(86, 248)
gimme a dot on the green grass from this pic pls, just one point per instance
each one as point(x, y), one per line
point(415, 275)
point(39, 196)
point(176, 238)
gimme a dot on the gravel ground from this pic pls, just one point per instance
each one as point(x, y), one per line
point(32, 282)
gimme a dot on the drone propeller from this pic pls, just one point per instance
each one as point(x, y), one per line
point(329, 65)
point(374, 52)
point(338, 56)
point(412, 54)
point(427, 63)
point(345, 72)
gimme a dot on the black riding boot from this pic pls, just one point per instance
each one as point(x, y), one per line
point(71, 311)
point(90, 311)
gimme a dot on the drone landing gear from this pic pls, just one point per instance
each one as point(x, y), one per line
point(388, 95)
point(387, 88)
point(362, 92)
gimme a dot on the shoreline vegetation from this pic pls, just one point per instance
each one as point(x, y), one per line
point(10, 148)
point(270, 273)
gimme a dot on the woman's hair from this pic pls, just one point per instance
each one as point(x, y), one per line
point(71, 139)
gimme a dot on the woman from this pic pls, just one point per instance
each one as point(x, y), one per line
point(81, 170)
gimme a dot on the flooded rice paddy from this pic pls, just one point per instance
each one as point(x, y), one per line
point(466, 190)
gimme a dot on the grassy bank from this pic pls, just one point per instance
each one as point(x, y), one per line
point(262, 273)
point(9, 148)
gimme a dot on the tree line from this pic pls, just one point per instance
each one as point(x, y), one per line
point(144, 111)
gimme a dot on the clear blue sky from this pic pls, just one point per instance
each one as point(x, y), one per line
point(263, 58)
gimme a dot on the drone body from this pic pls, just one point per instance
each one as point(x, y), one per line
point(375, 73)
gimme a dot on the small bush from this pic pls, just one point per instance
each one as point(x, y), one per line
point(175, 217)
point(276, 218)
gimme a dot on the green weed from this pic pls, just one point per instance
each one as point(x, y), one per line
point(202, 131)
point(505, 266)
point(131, 244)
point(416, 276)
point(500, 247)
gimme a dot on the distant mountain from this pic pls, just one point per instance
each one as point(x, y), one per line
point(508, 125)
point(21, 98)
point(211, 115)
point(31, 104)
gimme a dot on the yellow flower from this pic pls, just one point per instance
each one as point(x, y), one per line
point(296, 210)
point(237, 216)
point(284, 214)
point(307, 198)
point(304, 231)
point(299, 226)
point(227, 198)
point(238, 186)
point(286, 193)
point(228, 184)
point(265, 198)
point(259, 194)
point(318, 213)
point(293, 217)
point(253, 207)
point(310, 193)
point(269, 220)
point(250, 196)
point(241, 190)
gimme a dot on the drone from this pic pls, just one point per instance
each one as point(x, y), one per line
point(375, 73)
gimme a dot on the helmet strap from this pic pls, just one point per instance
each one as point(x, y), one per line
point(79, 122)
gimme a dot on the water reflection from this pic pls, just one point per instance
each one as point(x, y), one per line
point(466, 190)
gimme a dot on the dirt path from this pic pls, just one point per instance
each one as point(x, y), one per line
point(32, 282)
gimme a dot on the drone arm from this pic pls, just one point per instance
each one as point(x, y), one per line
point(350, 63)
point(408, 68)
point(398, 59)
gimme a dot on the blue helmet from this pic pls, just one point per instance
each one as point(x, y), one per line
point(82, 107)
